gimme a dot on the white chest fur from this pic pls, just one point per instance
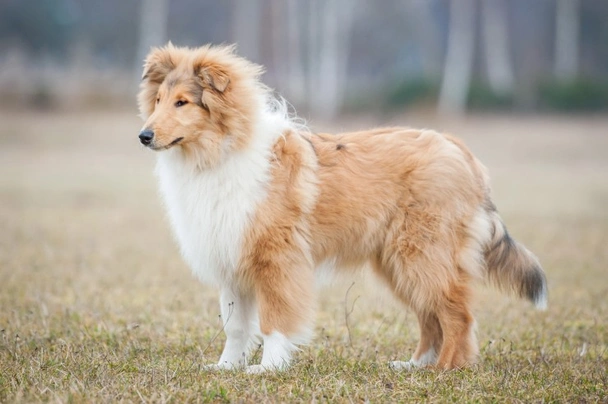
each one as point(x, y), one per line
point(210, 210)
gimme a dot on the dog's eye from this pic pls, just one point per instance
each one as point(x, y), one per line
point(158, 100)
point(180, 103)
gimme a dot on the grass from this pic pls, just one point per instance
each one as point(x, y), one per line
point(96, 304)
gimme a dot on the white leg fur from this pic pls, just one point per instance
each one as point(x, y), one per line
point(237, 315)
point(277, 353)
point(427, 358)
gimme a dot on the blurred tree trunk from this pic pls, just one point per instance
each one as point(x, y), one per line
point(497, 49)
point(532, 39)
point(313, 53)
point(246, 28)
point(566, 39)
point(287, 49)
point(296, 82)
point(327, 91)
point(427, 35)
point(329, 54)
point(153, 17)
point(459, 58)
point(279, 44)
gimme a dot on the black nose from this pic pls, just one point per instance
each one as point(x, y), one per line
point(146, 136)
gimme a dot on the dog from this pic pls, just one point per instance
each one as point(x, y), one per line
point(261, 208)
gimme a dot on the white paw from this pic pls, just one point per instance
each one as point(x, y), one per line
point(428, 358)
point(403, 365)
point(259, 369)
point(277, 351)
point(256, 369)
point(221, 366)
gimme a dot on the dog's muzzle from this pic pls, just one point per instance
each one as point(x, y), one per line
point(146, 136)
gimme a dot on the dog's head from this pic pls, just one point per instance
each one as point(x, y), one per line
point(204, 100)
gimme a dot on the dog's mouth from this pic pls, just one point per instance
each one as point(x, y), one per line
point(168, 146)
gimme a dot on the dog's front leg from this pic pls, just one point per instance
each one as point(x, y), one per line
point(285, 303)
point(237, 311)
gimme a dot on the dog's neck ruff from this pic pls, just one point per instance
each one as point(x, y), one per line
point(210, 210)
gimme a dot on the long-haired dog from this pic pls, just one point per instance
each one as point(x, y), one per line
point(261, 207)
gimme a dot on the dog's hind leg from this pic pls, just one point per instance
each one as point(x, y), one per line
point(459, 346)
point(431, 337)
point(419, 263)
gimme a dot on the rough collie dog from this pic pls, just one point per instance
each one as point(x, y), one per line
point(261, 207)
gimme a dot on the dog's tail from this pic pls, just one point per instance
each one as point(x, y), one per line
point(512, 267)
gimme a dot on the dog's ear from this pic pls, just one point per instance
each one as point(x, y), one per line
point(159, 62)
point(214, 77)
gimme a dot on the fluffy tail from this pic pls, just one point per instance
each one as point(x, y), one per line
point(512, 267)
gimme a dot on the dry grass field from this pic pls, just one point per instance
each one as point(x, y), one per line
point(97, 306)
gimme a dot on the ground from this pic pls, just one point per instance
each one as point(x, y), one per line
point(96, 304)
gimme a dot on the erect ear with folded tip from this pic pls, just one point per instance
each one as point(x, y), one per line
point(215, 78)
point(159, 62)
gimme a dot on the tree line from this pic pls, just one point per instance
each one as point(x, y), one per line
point(328, 55)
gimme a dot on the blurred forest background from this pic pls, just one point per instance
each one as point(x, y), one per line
point(326, 57)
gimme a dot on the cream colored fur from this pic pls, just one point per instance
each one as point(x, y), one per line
point(263, 209)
